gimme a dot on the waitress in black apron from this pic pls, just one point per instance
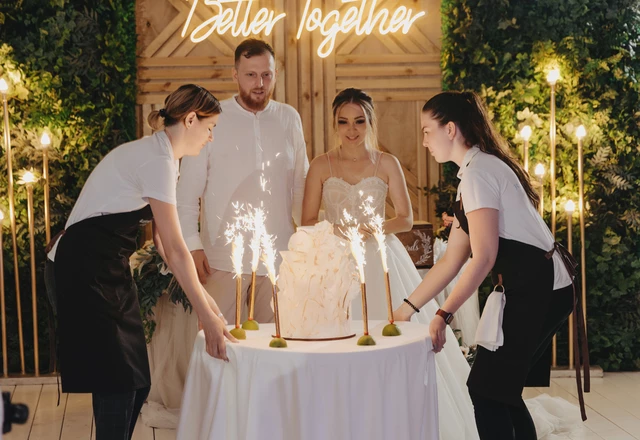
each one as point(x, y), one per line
point(102, 344)
point(497, 223)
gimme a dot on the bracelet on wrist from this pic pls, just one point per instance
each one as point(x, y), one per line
point(417, 310)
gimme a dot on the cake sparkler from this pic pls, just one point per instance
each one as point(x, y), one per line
point(254, 222)
point(376, 224)
point(235, 237)
point(269, 260)
point(358, 251)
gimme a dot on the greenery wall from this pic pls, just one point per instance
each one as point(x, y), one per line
point(71, 69)
point(503, 50)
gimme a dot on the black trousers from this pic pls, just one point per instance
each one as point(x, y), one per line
point(497, 420)
point(116, 414)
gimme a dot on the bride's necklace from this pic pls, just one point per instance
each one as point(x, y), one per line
point(359, 176)
point(355, 159)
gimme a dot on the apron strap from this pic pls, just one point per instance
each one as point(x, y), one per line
point(53, 241)
point(580, 343)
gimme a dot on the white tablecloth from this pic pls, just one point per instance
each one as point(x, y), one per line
point(314, 390)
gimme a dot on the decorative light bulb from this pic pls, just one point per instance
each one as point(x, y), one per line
point(525, 133)
point(4, 87)
point(28, 177)
point(581, 132)
point(45, 140)
point(539, 170)
point(569, 206)
point(553, 76)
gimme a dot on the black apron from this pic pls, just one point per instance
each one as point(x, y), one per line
point(533, 313)
point(102, 344)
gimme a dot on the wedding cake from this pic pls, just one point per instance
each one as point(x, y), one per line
point(317, 281)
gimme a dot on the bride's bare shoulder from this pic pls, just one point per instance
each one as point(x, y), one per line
point(321, 162)
point(320, 166)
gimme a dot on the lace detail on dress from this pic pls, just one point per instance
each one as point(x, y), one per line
point(338, 195)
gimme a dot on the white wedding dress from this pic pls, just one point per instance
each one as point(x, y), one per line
point(455, 410)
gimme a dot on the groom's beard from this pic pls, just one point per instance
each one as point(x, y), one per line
point(255, 104)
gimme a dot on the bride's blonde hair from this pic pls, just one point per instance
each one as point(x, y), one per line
point(359, 97)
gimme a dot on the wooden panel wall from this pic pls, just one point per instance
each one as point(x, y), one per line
point(400, 71)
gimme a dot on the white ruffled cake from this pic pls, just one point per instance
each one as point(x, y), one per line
point(316, 283)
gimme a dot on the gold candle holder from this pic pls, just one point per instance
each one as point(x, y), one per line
point(250, 324)
point(4, 88)
point(390, 329)
point(365, 339)
point(569, 208)
point(581, 132)
point(238, 332)
point(5, 368)
point(278, 341)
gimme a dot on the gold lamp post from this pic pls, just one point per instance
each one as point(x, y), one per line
point(4, 88)
point(45, 142)
point(539, 172)
point(525, 134)
point(5, 368)
point(581, 132)
point(552, 78)
point(569, 208)
point(28, 179)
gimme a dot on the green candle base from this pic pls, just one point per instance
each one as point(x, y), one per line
point(366, 340)
point(391, 330)
point(278, 343)
point(238, 333)
point(251, 324)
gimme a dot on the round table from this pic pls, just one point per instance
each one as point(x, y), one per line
point(314, 390)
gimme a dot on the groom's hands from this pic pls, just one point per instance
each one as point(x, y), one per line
point(438, 333)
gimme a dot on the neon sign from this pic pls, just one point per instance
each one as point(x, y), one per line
point(362, 18)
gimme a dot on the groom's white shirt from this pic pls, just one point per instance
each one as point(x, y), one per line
point(248, 151)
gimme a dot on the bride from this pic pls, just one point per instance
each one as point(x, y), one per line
point(342, 179)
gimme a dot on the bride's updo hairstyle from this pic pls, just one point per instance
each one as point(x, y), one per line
point(359, 97)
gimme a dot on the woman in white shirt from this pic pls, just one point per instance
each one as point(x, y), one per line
point(102, 344)
point(497, 222)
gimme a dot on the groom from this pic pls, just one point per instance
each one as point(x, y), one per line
point(257, 140)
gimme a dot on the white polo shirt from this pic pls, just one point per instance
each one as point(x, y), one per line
point(488, 182)
point(126, 178)
point(248, 150)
